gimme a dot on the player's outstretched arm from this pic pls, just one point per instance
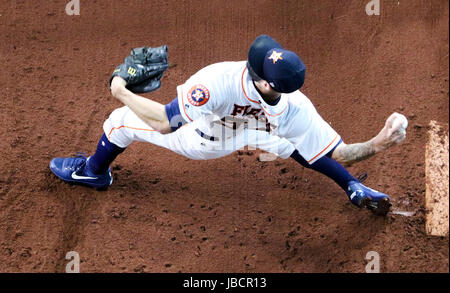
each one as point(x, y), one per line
point(151, 112)
point(393, 132)
point(347, 154)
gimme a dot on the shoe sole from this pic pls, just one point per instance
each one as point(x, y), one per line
point(98, 188)
point(366, 202)
point(380, 208)
point(383, 207)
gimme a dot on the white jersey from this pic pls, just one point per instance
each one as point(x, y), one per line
point(226, 92)
point(226, 113)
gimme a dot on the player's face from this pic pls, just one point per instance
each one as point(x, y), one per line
point(266, 90)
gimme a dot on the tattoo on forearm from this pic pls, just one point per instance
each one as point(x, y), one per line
point(356, 152)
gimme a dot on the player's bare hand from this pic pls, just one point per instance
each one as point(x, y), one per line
point(117, 84)
point(393, 133)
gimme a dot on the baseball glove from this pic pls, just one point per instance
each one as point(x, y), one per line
point(143, 69)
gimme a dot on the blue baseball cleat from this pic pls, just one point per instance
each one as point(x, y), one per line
point(74, 170)
point(363, 196)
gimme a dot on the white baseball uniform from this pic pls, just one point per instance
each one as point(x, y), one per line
point(225, 112)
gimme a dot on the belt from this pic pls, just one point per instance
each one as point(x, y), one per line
point(205, 136)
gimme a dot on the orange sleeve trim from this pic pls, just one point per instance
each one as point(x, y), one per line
point(324, 149)
point(182, 102)
point(123, 126)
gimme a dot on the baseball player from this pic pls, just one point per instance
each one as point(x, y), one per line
point(225, 107)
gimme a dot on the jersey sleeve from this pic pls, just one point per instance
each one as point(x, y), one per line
point(310, 134)
point(197, 97)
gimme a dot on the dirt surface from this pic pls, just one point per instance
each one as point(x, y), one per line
point(165, 213)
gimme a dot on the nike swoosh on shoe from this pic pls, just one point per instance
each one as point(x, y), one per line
point(76, 177)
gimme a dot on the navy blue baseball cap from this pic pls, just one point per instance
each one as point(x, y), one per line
point(283, 69)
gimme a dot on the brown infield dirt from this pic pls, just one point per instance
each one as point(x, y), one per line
point(165, 213)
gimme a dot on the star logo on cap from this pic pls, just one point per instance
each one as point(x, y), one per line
point(276, 56)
